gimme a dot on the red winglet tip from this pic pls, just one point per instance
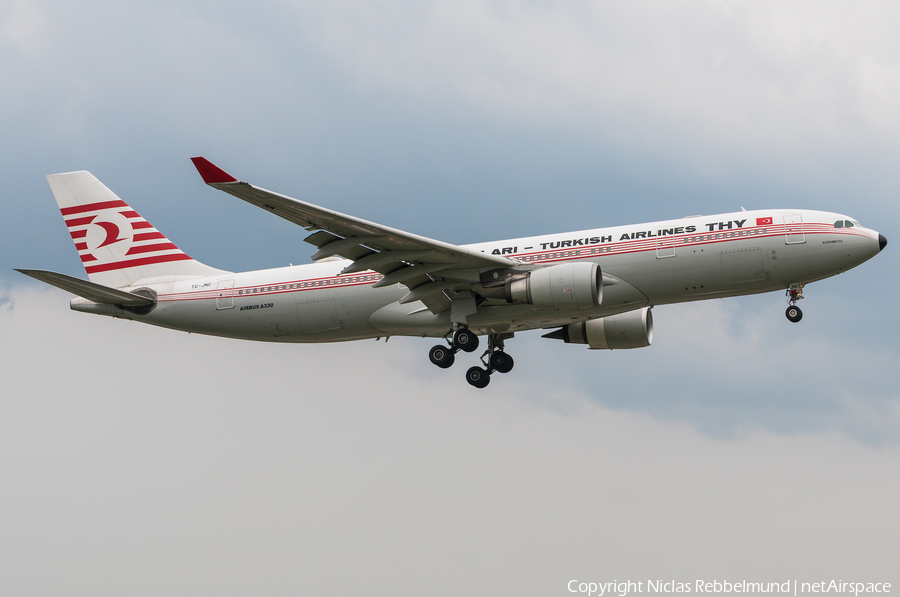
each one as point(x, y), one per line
point(210, 172)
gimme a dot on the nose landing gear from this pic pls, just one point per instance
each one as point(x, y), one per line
point(794, 294)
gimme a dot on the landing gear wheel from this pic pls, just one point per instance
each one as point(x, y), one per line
point(442, 356)
point(478, 377)
point(794, 314)
point(465, 340)
point(501, 362)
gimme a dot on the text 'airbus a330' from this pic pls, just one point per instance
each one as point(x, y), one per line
point(595, 287)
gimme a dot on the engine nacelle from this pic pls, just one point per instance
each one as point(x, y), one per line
point(633, 329)
point(564, 286)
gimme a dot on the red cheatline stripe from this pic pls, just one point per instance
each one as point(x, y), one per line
point(148, 236)
point(80, 246)
point(78, 233)
point(136, 262)
point(80, 209)
point(130, 214)
point(88, 257)
point(139, 225)
point(151, 248)
point(79, 221)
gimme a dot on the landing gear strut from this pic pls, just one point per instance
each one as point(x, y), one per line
point(794, 294)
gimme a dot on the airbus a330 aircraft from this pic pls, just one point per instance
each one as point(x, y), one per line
point(595, 287)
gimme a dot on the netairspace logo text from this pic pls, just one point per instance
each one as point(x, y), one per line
point(791, 587)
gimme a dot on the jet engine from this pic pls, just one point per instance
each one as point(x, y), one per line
point(633, 329)
point(564, 286)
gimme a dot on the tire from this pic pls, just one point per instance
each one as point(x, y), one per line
point(501, 362)
point(794, 314)
point(478, 377)
point(465, 340)
point(442, 356)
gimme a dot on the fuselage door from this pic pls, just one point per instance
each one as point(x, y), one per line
point(665, 247)
point(225, 295)
point(793, 229)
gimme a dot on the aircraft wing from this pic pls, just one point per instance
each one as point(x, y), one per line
point(427, 267)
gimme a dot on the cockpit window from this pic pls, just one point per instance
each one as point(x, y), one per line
point(839, 224)
point(848, 224)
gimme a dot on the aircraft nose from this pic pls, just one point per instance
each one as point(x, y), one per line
point(882, 242)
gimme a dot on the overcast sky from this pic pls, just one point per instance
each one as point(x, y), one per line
point(143, 461)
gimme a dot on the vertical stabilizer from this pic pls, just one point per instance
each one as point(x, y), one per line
point(117, 246)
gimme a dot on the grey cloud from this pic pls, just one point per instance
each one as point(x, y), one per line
point(245, 466)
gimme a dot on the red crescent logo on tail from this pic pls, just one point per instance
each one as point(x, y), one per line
point(112, 233)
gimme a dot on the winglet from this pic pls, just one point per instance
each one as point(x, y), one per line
point(211, 173)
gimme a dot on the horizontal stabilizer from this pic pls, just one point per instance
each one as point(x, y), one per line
point(92, 292)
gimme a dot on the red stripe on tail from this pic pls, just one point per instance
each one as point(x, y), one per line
point(148, 236)
point(79, 209)
point(105, 267)
point(151, 248)
point(79, 221)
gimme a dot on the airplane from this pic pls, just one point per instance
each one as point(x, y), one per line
point(592, 287)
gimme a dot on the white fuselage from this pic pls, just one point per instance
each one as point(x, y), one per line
point(646, 264)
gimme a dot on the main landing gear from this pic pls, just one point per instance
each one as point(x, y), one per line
point(494, 358)
point(444, 356)
point(794, 294)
